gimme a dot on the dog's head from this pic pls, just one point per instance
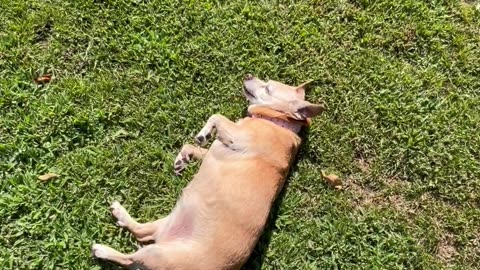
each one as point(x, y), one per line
point(280, 97)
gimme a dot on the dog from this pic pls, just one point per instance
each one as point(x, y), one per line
point(222, 212)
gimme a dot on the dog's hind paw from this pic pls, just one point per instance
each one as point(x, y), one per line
point(99, 251)
point(119, 212)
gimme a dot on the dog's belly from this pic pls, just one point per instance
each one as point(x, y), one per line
point(179, 226)
point(181, 222)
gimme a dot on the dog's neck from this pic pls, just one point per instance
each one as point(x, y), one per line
point(278, 118)
point(293, 127)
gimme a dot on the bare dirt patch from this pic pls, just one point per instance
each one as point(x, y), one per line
point(363, 165)
point(366, 197)
point(363, 196)
point(446, 250)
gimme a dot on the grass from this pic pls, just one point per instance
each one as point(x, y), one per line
point(134, 80)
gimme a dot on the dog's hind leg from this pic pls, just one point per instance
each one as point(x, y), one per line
point(189, 152)
point(227, 132)
point(155, 256)
point(144, 232)
point(110, 254)
point(139, 258)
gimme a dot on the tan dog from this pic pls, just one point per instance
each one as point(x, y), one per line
point(222, 212)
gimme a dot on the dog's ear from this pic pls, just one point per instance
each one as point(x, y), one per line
point(302, 87)
point(305, 109)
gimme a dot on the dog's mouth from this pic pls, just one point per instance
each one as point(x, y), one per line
point(248, 93)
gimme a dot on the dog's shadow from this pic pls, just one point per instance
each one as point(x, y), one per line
point(257, 258)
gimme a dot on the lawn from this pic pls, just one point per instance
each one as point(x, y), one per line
point(132, 81)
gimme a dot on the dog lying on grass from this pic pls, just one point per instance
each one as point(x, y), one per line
point(221, 214)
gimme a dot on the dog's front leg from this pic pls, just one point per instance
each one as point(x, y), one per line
point(227, 132)
point(189, 152)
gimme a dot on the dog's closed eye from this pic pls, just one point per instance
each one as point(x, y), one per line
point(268, 89)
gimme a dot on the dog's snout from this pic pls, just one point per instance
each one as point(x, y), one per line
point(248, 77)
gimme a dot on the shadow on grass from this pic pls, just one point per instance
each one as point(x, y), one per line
point(257, 259)
point(106, 265)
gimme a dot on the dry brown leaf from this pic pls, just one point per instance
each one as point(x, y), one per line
point(333, 180)
point(43, 79)
point(48, 176)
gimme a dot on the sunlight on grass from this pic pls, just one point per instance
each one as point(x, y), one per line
point(134, 80)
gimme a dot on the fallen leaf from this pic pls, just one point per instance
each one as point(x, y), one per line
point(333, 180)
point(43, 79)
point(48, 176)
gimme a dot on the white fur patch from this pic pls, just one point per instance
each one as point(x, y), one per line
point(120, 213)
point(100, 251)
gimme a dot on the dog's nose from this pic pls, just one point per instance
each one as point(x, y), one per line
point(248, 77)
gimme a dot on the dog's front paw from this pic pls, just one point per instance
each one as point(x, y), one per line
point(202, 139)
point(181, 162)
point(119, 212)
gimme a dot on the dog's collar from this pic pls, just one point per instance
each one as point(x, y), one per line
point(278, 118)
point(292, 126)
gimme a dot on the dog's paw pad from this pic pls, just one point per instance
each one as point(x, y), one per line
point(200, 140)
point(119, 213)
point(186, 158)
point(178, 169)
point(99, 251)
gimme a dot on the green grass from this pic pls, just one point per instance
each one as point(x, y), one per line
point(134, 80)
